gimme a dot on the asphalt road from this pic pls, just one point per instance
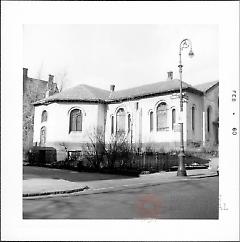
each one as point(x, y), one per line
point(191, 199)
point(30, 172)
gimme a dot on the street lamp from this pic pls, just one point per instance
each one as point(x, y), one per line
point(186, 43)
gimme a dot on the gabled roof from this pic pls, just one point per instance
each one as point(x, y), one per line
point(86, 93)
point(149, 89)
point(206, 86)
point(79, 93)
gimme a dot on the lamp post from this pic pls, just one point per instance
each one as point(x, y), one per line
point(186, 43)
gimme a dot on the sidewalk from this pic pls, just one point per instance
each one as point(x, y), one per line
point(42, 187)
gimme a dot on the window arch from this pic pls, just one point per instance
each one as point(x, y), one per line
point(161, 116)
point(120, 124)
point(129, 123)
point(193, 118)
point(208, 118)
point(75, 120)
point(151, 120)
point(173, 117)
point(44, 116)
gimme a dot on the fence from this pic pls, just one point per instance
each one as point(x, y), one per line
point(152, 162)
point(144, 162)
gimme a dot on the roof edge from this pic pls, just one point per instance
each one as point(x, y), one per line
point(190, 89)
point(47, 102)
point(213, 86)
point(109, 101)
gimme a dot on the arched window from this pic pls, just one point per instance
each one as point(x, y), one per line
point(208, 118)
point(129, 123)
point(121, 115)
point(76, 120)
point(151, 120)
point(173, 117)
point(112, 124)
point(193, 118)
point(44, 116)
point(162, 116)
point(43, 135)
point(136, 105)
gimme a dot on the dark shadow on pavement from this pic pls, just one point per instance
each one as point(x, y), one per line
point(31, 172)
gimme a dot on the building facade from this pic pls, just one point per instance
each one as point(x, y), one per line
point(33, 90)
point(148, 116)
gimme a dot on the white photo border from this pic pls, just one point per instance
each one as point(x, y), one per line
point(14, 14)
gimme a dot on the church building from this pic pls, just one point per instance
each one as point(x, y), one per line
point(148, 115)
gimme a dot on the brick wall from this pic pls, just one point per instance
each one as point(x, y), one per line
point(33, 90)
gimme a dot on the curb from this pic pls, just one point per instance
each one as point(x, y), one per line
point(55, 192)
point(87, 191)
point(203, 176)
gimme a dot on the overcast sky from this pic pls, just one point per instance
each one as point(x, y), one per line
point(124, 55)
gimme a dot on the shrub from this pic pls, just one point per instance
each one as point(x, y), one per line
point(119, 150)
point(95, 149)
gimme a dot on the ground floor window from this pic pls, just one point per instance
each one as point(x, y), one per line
point(112, 124)
point(75, 120)
point(44, 116)
point(121, 116)
point(151, 121)
point(173, 118)
point(161, 116)
point(208, 118)
point(43, 135)
point(193, 118)
point(129, 123)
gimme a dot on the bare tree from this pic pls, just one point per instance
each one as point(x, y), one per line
point(97, 149)
point(118, 147)
point(62, 80)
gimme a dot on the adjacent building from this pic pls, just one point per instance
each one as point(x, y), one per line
point(33, 90)
point(148, 116)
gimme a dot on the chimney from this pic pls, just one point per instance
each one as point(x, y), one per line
point(112, 87)
point(25, 72)
point(50, 78)
point(170, 75)
point(49, 86)
point(50, 81)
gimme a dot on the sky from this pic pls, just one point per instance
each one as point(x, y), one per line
point(120, 54)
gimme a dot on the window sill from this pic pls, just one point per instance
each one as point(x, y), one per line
point(163, 129)
point(121, 132)
point(75, 132)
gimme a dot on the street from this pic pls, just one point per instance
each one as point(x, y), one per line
point(190, 199)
